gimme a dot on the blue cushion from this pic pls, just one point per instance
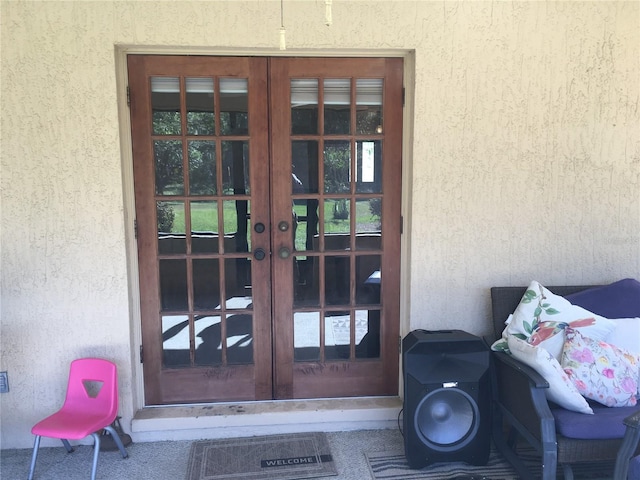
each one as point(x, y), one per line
point(606, 422)
point(620, 299)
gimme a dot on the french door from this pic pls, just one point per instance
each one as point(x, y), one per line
point(268, 224)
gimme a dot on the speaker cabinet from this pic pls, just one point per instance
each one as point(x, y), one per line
point(447, 394)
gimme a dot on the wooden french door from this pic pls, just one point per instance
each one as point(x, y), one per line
point(268, 225)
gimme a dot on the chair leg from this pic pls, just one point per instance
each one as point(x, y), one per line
point(567, 471)
point(67, 445)
point(96, 454)
point(34, 457)
point(117, 440)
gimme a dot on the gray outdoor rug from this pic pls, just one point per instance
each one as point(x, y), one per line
point(394, 466)
point(285, 457)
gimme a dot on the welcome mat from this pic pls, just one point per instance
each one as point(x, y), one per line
point(285, 457)
point(394, 466)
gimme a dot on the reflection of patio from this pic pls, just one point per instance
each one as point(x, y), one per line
point(175, 328)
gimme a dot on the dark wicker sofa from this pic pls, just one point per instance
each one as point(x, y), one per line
point(521, 410)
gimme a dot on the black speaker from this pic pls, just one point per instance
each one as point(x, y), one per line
point(447, 394)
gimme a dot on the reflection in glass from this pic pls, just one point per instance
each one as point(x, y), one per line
point(304, 159)
point(368, 279)
point(305, 224)
point(367, 333)
point(337, 166)
point(207, 340)
point(369, 166)
point(234, 106)
point(237, 235)
point(237, 281)
point(337, 335)
point(336, 282)
point(171, 231)
point(202, 168)
point(368, 223)
point(235, 168)
point(305, 282)
point(204, 226)
point(337, 103)
point(368, 106)
point(304, 106)
point(206, 283)
point(175, 341)
point(165, 104)
point(167, 155)
point(306, 336)
point(199, 98)
point(337, 227)
point(173, 285)
point(239, 339)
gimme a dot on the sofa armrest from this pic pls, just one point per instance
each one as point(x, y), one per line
point(520, 401)
point(628, 447)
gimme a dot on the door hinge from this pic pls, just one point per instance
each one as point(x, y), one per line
point(401, 225)
point(129, 97)
point(141, 354)
point(403, 96)
point(135, 229)
point(399, 344)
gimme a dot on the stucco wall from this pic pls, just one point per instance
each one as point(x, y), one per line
point(522, 159)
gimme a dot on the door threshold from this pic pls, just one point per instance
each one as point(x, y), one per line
point(226, 420)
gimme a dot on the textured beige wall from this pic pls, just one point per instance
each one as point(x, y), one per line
point(522, 162)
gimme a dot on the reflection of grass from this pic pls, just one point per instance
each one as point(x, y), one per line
point(204, 218)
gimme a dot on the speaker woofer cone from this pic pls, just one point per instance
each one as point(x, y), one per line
point(446, 419)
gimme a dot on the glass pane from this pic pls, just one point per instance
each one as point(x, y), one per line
point(304, 106)
point(337, 103)
point(204, 227)
point(337, 227)
point(237, 280)
point(336, 280)
point(237, 236)
point(337, 166)
point(306, 224)
point(167, 155)
point(304, 159)
point(235, 168)
point(306, 336)
point(165, 104)
point(367, 333)
point(206, 284)
point(368, 223)
point(200, 116)
point(234, 106)
point(173, 285)
point(208, 340)
point(369, 166)
point(368, 279)
point(240, 339)
point(171, 231)
point(305, 277)
point(368, 106)
point(202, 168)
point(175, 341)
point(337, 335)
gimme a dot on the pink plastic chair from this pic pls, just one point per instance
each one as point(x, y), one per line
point(91, 405)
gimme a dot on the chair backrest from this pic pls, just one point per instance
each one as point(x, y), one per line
point(93, 387)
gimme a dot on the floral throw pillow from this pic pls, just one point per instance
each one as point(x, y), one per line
point(601, 371)
point(541, 317)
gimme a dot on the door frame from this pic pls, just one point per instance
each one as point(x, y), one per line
point(129, 213)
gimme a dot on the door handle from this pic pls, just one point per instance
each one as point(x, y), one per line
point(259, 254)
